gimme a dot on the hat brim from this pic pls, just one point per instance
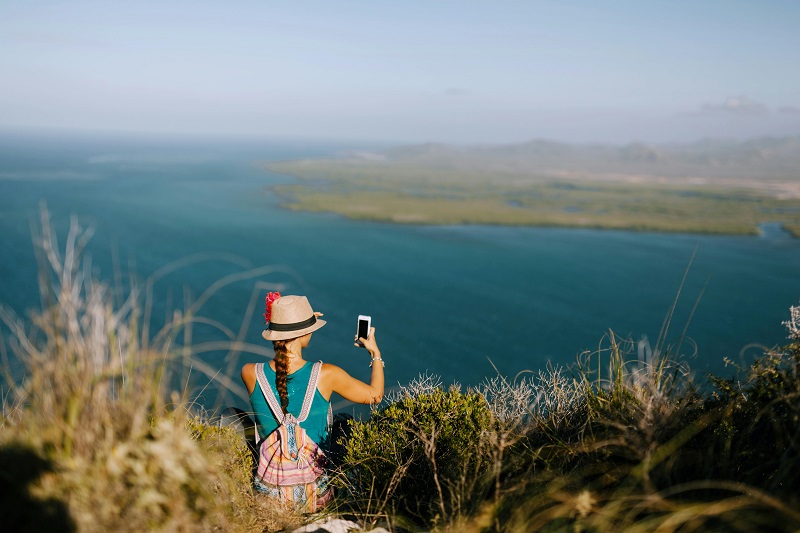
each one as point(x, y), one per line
point(271, 335)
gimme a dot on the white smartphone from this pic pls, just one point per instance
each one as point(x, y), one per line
point(364, 323)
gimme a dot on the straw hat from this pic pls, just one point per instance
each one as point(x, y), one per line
point(291, 317)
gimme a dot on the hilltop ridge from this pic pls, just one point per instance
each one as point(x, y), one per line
point(759, 158)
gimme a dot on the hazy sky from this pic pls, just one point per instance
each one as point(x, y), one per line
point(412, 70)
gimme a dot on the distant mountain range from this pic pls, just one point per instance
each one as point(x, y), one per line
point(762, 158)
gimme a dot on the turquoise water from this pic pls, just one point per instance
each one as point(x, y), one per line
point(451, 301)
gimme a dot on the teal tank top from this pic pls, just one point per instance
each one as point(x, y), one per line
point(316, 425)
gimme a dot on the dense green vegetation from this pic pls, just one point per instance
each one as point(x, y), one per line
point(465, 188)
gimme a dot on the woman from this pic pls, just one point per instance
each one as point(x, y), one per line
point(289, 390)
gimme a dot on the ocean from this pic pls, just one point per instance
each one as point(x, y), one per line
point(458, 302)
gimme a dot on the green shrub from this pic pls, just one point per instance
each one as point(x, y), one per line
point(423, 456)
point(758, 438)
point(654, 452)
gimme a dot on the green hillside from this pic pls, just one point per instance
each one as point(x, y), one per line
point(709, 187)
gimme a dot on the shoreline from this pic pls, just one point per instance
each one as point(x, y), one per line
point(410, 222)
point(408, 196)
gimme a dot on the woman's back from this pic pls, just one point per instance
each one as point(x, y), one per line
point(317, 423)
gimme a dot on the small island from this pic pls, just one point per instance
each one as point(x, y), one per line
point(714, 187)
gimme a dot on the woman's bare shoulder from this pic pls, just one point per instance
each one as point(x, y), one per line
point(249, 376)
point(329, 370)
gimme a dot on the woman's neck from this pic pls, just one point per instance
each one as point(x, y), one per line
point(296, 363)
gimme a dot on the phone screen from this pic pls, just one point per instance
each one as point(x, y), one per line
point(363, 328)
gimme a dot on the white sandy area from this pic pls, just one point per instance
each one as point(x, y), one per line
point(785, 190)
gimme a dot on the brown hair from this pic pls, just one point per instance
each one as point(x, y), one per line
point(281, 372)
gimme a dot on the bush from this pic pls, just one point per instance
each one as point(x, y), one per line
point(653, 452)
point(758, 438)
point(424, 456)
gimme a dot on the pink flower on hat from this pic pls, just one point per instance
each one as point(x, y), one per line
point(269, 300)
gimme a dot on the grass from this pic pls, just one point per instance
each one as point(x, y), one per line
point(408, 193)
point(92, 435)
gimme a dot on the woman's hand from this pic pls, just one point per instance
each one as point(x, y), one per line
point(369, 343)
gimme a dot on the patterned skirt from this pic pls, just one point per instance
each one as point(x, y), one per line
point(306, 497)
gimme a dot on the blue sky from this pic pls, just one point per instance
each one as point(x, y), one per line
point(410, 71)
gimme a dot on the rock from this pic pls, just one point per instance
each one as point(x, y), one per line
point(336, 525)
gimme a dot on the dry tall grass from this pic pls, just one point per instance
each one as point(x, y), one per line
point(92, 438)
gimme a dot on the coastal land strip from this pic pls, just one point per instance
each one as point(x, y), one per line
point(711, 187)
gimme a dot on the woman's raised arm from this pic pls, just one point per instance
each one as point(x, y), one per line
point(335, 379)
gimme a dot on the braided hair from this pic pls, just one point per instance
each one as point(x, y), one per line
point(281, 372)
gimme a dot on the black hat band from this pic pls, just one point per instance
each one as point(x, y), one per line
point(294, 326)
